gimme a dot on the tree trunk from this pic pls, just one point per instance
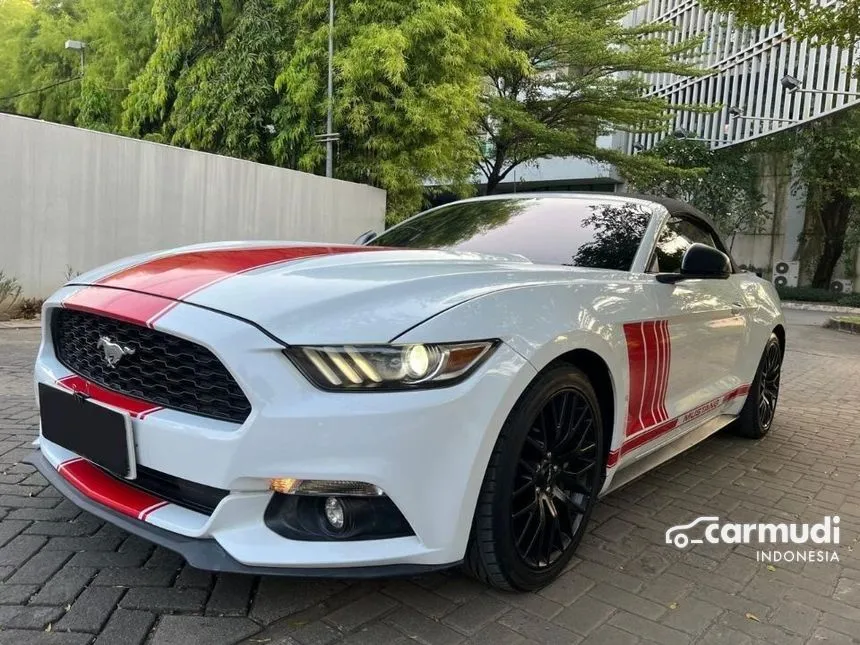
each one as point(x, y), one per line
point(835, 214)
point(493, 182)
point(499, 172)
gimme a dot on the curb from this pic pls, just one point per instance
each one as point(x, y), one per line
point(20, 324)
point(814, 306)
point(841, 324)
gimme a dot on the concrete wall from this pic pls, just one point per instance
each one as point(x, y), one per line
point(776, 239)
point(72, 197)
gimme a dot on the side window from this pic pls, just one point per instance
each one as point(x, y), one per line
point(677, 236)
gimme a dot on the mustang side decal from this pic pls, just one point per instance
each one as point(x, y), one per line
point(649, 354)
point(653, 433)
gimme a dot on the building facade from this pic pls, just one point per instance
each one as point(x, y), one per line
point(764, 81)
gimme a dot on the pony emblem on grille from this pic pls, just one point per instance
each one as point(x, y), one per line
point(114, 352)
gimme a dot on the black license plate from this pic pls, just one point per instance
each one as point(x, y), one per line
point(99, 434)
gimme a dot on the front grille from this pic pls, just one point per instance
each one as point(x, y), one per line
point(165, 370)
point(197, 497)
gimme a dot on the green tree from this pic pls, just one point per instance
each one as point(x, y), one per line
point(36, 59)
point(120, 36)
point(828, 162)
point(185, 30)
point(575, 72)
point(722, 183)
point(408, 85)
point(15, 16)
point(35, 65)
point(834, 22)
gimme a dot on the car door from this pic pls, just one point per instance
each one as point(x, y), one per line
point(706, 324)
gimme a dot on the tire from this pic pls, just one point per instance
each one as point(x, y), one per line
point(525, 488)
point(756, 417)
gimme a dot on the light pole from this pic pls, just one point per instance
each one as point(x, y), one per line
point(330, 137)
point(736, 113)
point(793, 85)
point(683, 134)
point(79, 46)
point(329, 144)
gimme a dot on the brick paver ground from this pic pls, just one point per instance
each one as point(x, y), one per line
point(69, 578)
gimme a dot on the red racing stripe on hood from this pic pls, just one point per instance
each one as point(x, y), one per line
point(128, 306)
point(181, 275)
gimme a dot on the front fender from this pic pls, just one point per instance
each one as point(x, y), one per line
point(544, 322)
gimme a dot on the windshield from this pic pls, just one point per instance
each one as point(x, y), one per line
point(546, 230)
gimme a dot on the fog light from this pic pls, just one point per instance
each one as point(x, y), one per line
point(334, 513)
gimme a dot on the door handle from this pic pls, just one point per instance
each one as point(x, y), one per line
point(737, 308)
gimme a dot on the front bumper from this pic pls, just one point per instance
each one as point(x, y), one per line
point(427, 450)
point(206, 553)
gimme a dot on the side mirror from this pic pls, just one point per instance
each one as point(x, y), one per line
point(365, 238)
point(701, 262)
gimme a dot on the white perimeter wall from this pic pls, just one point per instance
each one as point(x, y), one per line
point(73, 197)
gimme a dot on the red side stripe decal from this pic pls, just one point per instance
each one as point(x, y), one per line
point(104, 489)
point(648, 356)
point(650, 434)
point(181, 275)
point(667, 348)
point(636, 359)
point(135, 407)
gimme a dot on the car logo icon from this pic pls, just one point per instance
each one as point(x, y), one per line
point(677, 534)
point(113, 352)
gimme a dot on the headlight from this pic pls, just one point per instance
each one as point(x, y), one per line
point(389, 367)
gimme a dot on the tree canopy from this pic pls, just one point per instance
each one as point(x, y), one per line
point(833, 22)
point(409, 75)
point(119, 36)
point(724, 183)
point(574, 73)
point(828, 162)
point(419, 84)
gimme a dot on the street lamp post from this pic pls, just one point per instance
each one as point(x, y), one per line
point(330, 137)
point(793, 85)
point(79, 46)
point(329, 144)
point(736, 113)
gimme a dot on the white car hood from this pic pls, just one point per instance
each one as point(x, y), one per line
point(348, 295)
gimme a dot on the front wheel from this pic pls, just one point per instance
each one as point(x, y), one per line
point(756, 417)
point(541, 484)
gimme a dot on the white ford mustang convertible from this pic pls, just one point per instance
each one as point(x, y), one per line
point(459, 390)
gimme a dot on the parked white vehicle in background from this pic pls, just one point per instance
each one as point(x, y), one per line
point(459, 390)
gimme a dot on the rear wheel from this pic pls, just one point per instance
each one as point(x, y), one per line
point(756, 417)
point(541, 484)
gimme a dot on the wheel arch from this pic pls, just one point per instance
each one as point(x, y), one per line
point(600, 376)
point(779, 330)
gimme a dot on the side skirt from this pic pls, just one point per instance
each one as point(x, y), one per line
point(650, 461)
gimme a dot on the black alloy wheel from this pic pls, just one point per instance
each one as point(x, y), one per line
point(541, 483)
point(553, 488)
point(756, 417)
point(768, 391)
